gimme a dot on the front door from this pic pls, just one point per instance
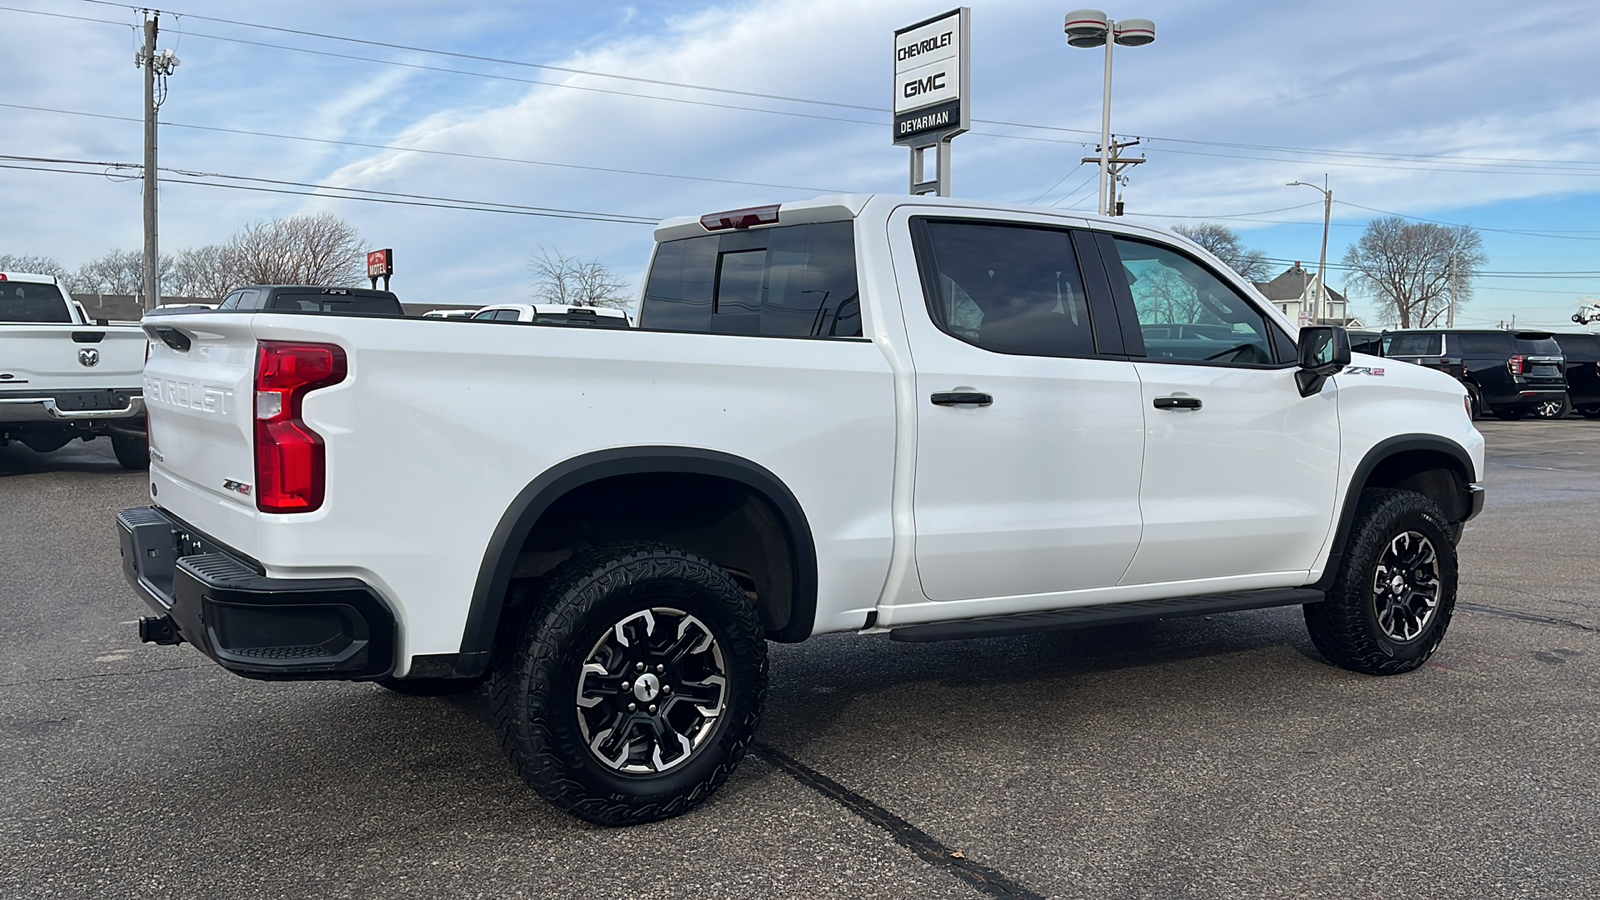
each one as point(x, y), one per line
point(1240, 471)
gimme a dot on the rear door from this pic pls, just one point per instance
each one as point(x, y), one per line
point(1239, 470)
point(1029, 432)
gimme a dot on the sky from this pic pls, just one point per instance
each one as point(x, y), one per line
point(587, 121)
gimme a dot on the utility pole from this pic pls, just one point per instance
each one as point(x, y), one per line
point(1450, 313)
point(155, 65)
point(1111, 159)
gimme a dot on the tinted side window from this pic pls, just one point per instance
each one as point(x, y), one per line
point(793, 281)
point(1006, 288)
point(1186, 313)
point(1579, 346)
point(1413, 345)
point(1483, 344)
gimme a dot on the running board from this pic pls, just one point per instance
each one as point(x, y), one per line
point(1106, 614)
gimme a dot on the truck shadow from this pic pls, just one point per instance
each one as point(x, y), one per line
point(94, 456)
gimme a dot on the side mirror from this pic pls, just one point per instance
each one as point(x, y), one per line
point(1324, 352)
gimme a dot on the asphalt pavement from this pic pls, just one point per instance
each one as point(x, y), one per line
point(1214, 757)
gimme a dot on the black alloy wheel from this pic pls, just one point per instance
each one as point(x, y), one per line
point(635, 686)
point(1406, 588)
point(1395, 589)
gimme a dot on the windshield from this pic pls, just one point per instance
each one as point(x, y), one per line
point(29, 301)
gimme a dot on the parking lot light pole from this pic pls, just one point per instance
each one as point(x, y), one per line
point(1090, 28)
point(1321, 301)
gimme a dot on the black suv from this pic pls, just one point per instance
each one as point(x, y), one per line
point(1583, 371)
point(313, 299)
point(1508, 373)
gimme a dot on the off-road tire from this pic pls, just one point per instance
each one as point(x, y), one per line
point(1345, 626)
point(536, 691)
point(432, 687)
point(132, 452)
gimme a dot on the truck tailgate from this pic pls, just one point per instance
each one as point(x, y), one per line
point(70, 357)
point(200, 404)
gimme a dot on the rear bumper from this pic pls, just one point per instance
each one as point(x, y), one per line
point(250, 624)
point(119, 405)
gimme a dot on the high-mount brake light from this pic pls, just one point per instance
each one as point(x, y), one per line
point(291, 462)
point(1514, 365)
point(740, 218)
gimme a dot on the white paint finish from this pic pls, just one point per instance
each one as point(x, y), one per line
point(1240, 486)
point(1037, 493)
point(439, 426)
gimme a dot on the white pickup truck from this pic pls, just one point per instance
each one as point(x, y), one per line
point(65, 378)
point(878, 414)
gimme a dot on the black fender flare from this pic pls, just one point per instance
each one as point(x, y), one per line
point(1387, 449)
point(500, 557)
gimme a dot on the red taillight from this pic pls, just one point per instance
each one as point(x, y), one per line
point(1514, 365)
point(291, 464)
point(740, 218)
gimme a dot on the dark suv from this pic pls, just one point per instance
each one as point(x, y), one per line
point(313, 299)
point(1583, 371)
point(1508, 373)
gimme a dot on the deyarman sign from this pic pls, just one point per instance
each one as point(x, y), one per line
point(931, 75)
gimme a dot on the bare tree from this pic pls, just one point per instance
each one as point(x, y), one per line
point(118, 272)
point(35, 265)
point(1414, 270)
point(1224, 243)
point(207, 271)
point(310, 249)
point(567, 281)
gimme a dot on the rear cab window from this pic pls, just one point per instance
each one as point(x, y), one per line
point(31, 302)
point(786, 281)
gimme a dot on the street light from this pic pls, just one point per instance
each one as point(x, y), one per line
point(1089, 28)
point(1321, 302)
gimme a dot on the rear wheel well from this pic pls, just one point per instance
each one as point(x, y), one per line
point(714, 517)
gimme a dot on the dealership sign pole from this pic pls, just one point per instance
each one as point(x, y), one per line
point(932, 76)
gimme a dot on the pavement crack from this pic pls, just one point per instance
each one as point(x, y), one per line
point(975, 875)
point(35, 681)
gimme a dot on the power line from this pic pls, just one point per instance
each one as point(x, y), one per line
point(450, 153)
point(347, 193)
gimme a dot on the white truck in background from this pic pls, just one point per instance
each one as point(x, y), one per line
point(64, 377)
point(911, 416)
